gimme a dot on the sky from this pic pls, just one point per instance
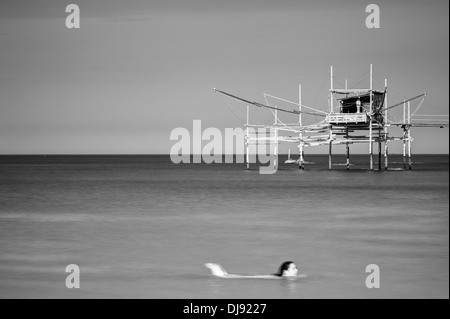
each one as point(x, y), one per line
point(135, 70)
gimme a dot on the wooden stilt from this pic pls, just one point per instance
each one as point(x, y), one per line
point(348, 151)
point(379, 148)
point(330, 163)
point(370, 122)
point(404, 135)
point(330, 160)
point(409, 136)
point(331, 89)
point(404, 147)
point(409, 149)
point(301, 160)
point(275, 149)
point(386, 150)
point(370, 146)
point(247, 153)
point(300, 147)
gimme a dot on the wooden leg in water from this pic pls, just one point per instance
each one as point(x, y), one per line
point(379, 149)
point(409, 150)
point(330, 156)
point(370, 146)
point(404, 148)
point(348, 151)
point(348, 156)
point(300, 158)
point(386, 154)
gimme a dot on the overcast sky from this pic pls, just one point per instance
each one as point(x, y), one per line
point(137, 69)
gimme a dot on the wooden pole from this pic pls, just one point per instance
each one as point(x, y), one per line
point(348, 151)
point(370, 122)
point(330, 160)
point(330, 163)
point(404, 147)
point(300, 159)
point(379, 148)
point(275, 149)
point(386, 163)
point(346, 129)
point(331, 89)
point(404, 135)
point(247, 153)
point(404, 112)
point(409, 136)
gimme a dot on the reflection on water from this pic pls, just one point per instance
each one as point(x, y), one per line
point(290, 285)
point(264, 288)
point(139, 226)
point(215, 285)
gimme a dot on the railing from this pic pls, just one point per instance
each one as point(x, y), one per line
point(347, 118)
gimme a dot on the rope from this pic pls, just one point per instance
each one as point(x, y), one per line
point(361, 78)
point(420, 104)
point(287, 101)
point(392, 106)
point(235, 113)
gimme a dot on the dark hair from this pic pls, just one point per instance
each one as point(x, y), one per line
point(284, 266)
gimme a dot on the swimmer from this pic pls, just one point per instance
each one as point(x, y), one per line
point(287, 269)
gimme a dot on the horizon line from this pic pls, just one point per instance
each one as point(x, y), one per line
point(168, 154)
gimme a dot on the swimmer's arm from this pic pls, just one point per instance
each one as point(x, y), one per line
point(218, 271)
point(251, 276)
point(262, 276)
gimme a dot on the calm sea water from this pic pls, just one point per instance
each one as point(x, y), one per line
point(142, 227)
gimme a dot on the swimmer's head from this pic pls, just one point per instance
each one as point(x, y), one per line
point(287, 269)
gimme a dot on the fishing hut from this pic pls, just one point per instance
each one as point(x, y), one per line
point(358, 118)
point(353, 116)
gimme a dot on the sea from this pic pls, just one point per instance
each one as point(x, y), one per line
point(140, 226)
